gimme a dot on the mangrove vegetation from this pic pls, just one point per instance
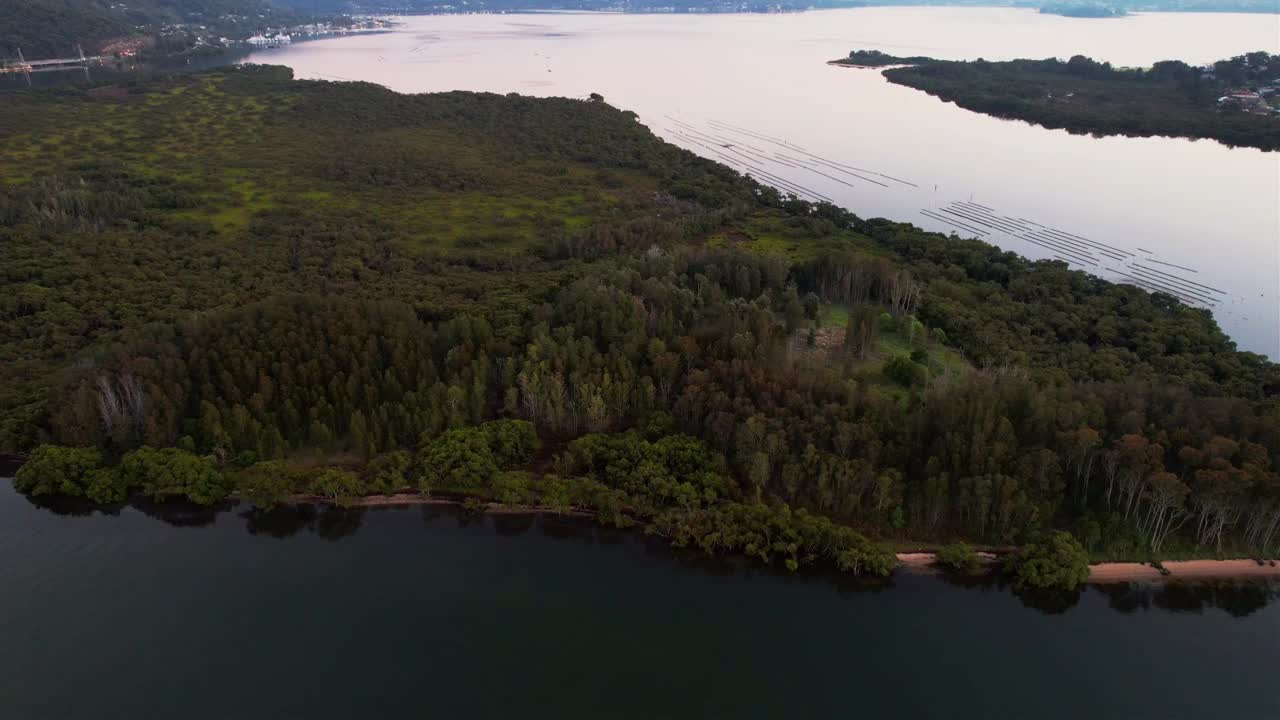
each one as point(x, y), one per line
point(1234, 101)
point(239, 284)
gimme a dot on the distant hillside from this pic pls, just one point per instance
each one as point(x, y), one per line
point(444, 6)
point(51, 28)
point(47, 28)
point(449, 6)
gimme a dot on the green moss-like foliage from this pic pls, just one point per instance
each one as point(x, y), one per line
point(56, 470)
point(338, 486)
point(1054, 561)
point(174, 473)
point(958, 558)
point(768, 534)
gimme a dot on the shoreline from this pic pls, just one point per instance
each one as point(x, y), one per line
point(1099, 573)
point(402, 499)
point(1124, 572)
point(920, 561)
point(1116, 572)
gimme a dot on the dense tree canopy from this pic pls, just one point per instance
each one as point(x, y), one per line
point(1082, 95)
point(332, 290)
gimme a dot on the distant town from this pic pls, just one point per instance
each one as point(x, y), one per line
point(1253, 82)
point(43, 37)
point(203, 37)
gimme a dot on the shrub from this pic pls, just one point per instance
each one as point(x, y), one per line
point(512, 442)
point(902, 370)
point(1053, 561)
point(511, 488)
point(459, 460)
point(340, 487)
point(556, 493)
point(169, 473)
point(958, 557)
point(266, 484)
point(388, 473)
point(58, 470)
point(106, 486)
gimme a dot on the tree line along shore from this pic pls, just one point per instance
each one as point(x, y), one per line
point(955, 558)
point(1234, 101)
point(332, 289)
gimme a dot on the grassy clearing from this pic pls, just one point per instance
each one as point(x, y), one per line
point(940, 360)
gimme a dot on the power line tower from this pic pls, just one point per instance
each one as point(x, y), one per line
point(22, 63)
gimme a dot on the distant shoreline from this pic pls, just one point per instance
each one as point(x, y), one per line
point(1084, 96)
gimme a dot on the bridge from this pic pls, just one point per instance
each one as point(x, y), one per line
point(26, 67)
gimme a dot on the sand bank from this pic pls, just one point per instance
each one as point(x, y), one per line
point(1183, 570)
point(1115, 572)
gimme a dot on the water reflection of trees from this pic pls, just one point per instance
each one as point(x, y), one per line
point(1238, 598)
point(513, 525)
point(175, 513)
point(335, 523)
point(285, 521)
point(1049, 602)
point(180, 513)
point(67, 506)
point(282, 521)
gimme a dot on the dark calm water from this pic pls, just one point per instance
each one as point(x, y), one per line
point(419, 613)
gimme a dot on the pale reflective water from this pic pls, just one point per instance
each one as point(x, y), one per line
point(761, 84)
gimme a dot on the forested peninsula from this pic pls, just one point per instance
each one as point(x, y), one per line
point(1234, 101)
point(237, 284)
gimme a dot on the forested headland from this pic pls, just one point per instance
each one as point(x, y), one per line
point(239, 284)
point(1234, 101)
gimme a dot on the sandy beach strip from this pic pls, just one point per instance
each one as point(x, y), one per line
point(1115, 572)
point(1118, 572)
point(1183, 570)
point(916, 559)
point(1221, 568)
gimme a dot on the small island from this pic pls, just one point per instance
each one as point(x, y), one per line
point(1234, 101)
